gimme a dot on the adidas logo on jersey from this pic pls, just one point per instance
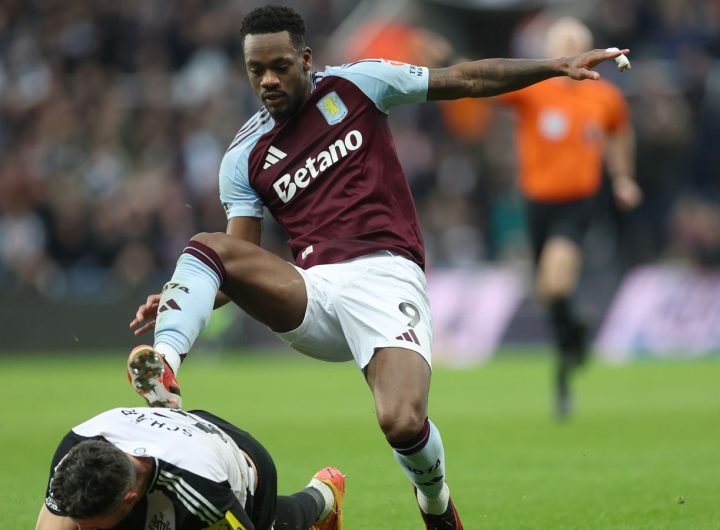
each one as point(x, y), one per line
point(273, 157)
point(287, 185)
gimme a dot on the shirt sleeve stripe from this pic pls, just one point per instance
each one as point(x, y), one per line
point(193, 501)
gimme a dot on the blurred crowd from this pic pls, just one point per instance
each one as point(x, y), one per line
point(114, 117)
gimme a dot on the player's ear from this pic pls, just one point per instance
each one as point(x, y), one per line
point(307, 59)
point(131, 497)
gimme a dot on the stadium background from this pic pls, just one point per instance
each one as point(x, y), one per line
point(114, 117)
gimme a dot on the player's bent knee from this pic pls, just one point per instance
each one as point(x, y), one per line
point(210, 239)
point(549, 289)
point(401, 427)
point(225, 246)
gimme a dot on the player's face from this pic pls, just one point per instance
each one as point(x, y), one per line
point(278, 72)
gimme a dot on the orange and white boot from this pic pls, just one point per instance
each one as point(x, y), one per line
point(152, 378)
point(335, 480)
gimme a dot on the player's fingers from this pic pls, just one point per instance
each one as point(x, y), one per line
point(611, 53)
point(152, 302)
point(152, 299)
point(629, 197)
point(585, 73)
point(629, 205)
point(142, 314)
point(148, 309)
point(139, 316)
point(145, 328)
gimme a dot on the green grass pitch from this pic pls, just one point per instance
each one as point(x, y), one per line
point(641, 453)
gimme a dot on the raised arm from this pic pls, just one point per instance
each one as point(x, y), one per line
point(620, 155)
point(490, 77)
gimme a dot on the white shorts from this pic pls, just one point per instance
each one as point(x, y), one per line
point(358, 306)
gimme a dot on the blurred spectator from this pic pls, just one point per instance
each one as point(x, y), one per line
point(696, 231)
point(113, 117)
point(114, 120)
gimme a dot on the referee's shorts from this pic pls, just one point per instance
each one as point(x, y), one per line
point(568, 219)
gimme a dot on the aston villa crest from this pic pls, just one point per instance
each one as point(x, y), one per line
point(332, 108)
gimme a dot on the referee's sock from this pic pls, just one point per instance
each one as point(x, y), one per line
point(562, 319)
point(569, 330)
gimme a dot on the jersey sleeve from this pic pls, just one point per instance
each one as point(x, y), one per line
point(618, 117)
point(238, 198)
point(70, 440)
point(213, 504)
point(387, 83)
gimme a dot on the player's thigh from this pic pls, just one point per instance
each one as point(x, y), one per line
point(400, 382)
point(320, 334)
point(264, 285)
point(386, 306)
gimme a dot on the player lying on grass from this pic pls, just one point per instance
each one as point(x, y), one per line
point(131, 468)
point(320, 157)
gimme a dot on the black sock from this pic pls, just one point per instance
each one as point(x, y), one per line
point(569, 330)
point(298, 511)
point(562, 319)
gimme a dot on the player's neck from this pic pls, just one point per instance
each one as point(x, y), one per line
point(145, 470)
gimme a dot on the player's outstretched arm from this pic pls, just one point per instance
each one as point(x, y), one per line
point(490, 77)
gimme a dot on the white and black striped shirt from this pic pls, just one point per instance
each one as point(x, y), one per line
point(199, 472)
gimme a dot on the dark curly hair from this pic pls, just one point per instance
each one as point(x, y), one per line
point(274, 19)
point(92, 479)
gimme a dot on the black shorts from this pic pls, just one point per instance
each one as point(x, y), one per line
point(569, 219)
point(260, 506)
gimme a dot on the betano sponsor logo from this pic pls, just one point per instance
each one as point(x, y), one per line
point(287, 185)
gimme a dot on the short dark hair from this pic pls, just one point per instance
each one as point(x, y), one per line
point(92, 479)
point(274, 19)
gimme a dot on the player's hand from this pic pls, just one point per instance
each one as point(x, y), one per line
point(628, 194)
point(580, 67)
point(146, 314)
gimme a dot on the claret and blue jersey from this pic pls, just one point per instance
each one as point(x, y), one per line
point(330, 174)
